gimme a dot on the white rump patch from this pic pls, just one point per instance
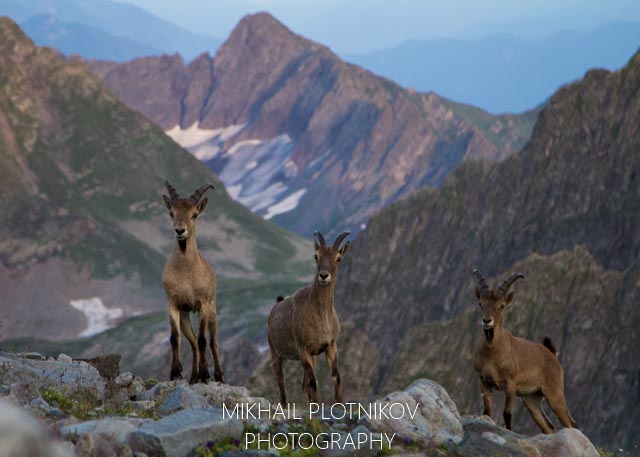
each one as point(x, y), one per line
point(98, 315)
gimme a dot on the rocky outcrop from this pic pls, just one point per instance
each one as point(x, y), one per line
point(435, 418)
point(200, 427)
point(303, 137)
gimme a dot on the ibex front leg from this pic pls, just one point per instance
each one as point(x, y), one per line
point(308, 365)
point(174, 322)
point(332, 361)
point(187, 331)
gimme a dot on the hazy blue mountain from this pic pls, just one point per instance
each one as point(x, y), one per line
point(89, 42)
point(503, 73)
point(116, 19)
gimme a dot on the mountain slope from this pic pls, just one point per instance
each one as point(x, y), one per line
point(566, 211)
point(84, 233)
point(302, 137)
point(74, 38)
point(503, 73)
point(116, 19)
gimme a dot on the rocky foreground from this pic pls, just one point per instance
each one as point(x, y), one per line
point(62, 407)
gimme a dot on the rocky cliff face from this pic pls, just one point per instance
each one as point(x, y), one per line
point(565, 211)
point(302, 137)
point(83, 230)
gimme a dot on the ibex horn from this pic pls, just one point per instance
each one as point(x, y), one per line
point(197, 195)
point(172, 191)
point(481, 281)
point(323, 243)
point(504, 288)
point(342, 236)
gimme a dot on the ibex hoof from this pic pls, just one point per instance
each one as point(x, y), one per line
point(218, 377)
point(175, 375)
point(204, 376)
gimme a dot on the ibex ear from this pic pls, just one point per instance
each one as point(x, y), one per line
point(345, 248)
point(510, 296)
point(316, 246)
point(167, 201)
point(476, 291)
point(202, 205)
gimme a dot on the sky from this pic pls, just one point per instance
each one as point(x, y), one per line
point(357, 26)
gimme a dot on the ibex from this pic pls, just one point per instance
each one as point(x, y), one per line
point(190, 284)
point(515, 365)
point(305, 324)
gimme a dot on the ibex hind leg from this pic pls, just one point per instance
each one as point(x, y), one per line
point(278, 372)
point(203, 368)
point(534, 406)
point(218, 375)
point(559, 406)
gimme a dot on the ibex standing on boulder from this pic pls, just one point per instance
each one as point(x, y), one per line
point(190, 284)
point(515, 365)
point(305, 324)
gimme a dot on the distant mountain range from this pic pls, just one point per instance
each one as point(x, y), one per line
point(101, 28)
point(502, 73)
point(84, 233)
point(301, 137)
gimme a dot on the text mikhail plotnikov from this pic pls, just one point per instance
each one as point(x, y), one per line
point(327, 440)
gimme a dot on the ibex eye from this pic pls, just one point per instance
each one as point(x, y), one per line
point(171, 214)
point(315, 256)
point(194, 215)
point(338, 259)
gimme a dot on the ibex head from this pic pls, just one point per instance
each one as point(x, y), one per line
point(185, 211)
point(493, 302)
point(328, 257)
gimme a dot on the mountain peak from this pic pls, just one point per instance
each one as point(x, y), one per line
point(261, 35)
point(12, 38)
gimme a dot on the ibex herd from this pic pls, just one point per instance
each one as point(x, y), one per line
point(305, 324)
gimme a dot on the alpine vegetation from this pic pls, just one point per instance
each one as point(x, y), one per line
point(190, 284)
point(305, 324)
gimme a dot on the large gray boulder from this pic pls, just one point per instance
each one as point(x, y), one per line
point(120, 428)
point(483, 437)
point(176, 435)
point(436, 421)
point(21, 435)
point(68, 376)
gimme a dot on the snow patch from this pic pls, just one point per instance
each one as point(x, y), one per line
point(285, 205)
point(98, 315)
point(205, 144)
point(257, 173)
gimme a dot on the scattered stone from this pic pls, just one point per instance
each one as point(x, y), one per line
point(90, 445)
point(33, 356)
point(120, 428)
point(183, 398)
point(568, 441)
point(107, 365)
point(365, 449)
point(64, 358)
point(22, 435)
point(437, 420)
point(124, 380)
point(176, 435)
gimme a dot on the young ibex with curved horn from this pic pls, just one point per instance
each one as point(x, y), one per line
point(305, 324)
point(515, 365)
point(190, 284)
